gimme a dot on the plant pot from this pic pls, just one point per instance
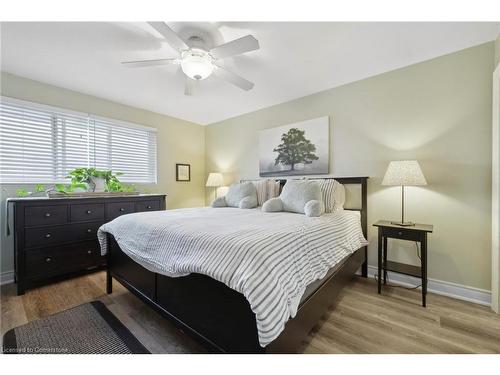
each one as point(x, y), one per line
point(97, 184)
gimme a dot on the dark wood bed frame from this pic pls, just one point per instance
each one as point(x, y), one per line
point(218, 316)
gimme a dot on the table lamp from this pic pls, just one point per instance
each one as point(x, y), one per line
point(215, 180)
point(403, 173)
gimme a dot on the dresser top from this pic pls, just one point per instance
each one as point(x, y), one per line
point(117, 196)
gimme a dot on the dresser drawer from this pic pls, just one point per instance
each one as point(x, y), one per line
point(147, 206)
point(84, 231)
point(62, 259)
point(45, 215)
point(87, 212)
point(55, 235)
point(402, 234)
point(113, 210)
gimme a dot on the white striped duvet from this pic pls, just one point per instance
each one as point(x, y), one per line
point(268, 257)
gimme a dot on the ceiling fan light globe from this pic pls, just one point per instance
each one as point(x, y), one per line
point(196, 66)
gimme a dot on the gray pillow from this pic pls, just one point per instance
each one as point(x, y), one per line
point(314, 208)
point(238, 191)
point(272, 205)
point(296, 193)
point(248, 202)
point(219, 202)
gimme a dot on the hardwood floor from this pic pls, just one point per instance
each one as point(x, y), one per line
point(361, 322)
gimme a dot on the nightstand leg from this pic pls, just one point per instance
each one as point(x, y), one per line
point(424, 269)
point(379, 261)
point(385, 260)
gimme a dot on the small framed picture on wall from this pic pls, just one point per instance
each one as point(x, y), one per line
point(183, 172)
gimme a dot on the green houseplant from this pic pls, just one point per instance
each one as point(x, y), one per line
point(96, 180)
point(99, 180)
point(85, 179)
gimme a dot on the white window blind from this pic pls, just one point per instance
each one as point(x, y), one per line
point(127, 149)
point(40, 144)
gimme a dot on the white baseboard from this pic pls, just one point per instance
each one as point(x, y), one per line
point(6, 277)
point(445, 288)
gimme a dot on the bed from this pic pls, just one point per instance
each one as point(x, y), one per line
point(240, 281)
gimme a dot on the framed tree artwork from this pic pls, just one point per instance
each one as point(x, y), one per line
point(183, 172)
point(301, 148)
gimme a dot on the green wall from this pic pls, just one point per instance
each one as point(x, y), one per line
point(497, 51)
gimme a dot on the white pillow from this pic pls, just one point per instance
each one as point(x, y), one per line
point(219, 202)
point(266, 189)
point(296, 193)
point(239, 191)
point(272, 205)
point(333, 193)
point(248, 202)
point(314, 208)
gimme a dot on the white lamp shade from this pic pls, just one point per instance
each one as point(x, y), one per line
point(215, 180)
point(404, 173)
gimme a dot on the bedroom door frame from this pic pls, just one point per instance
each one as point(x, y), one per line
point(495, 194)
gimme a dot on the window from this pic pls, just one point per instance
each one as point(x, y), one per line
point(41, 144)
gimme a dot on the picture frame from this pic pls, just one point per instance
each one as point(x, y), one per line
point(182, 172)
point(298, 149)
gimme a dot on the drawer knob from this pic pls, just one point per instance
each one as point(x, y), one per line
point(122, 209)
point(89, 251)
point(89, 230)
point(89, 212)
point(48, 259)
point(47, 235)
point(400, 233)
point(149, 207)
point(47, 214)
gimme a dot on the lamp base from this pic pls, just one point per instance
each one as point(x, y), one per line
point(403, 224)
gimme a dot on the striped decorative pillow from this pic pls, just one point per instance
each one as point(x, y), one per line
point(273, 189)
point(333, 193)
point(266, 189)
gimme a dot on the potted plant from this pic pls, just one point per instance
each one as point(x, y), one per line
point(83, 179)
point(96, 180)
point(41, 190)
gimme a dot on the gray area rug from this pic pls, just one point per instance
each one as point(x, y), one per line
point(86, 329)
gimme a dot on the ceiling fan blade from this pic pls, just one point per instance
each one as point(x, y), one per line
point(233, 78)
point(170, 35)
point(148, 63)
point(235, 47)
point(190, 87)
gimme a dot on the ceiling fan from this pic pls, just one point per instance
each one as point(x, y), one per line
point(196, 61)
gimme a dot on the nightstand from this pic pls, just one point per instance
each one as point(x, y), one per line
point(415, 233)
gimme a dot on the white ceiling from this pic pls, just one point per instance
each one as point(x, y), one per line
point(295, 59)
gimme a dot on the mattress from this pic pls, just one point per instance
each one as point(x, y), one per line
point(312, 287)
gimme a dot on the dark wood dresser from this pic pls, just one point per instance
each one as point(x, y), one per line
point(57, 237)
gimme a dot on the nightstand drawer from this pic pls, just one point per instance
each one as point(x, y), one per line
point(402, 234)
